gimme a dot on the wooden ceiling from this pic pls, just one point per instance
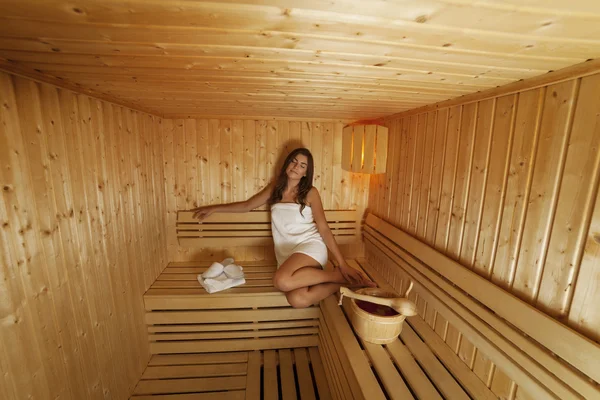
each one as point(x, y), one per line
point(339, 59)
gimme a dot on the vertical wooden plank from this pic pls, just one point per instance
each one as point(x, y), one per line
point(261, 155)
point(272, 145)
point(202, 146)
point(238, 157)
point(577, 194)
point(214, 161)
point(381, 148)
point(327, 162)
point(518, 186)
point(169, 167)
point(347, 149)
point(410, 166)
point(250, 173)
point(461, 184)
point(449, 177)
point(404, 127)
point(121, 276)
point(319, 373)
point(305, 383)
point(502, 386)
point(317, 152)
point(394, 142)
point(369, 157)
point(424, 197)
point(554, 136)
point(466, 352)
point(437, 173)
point(358, 139)
point(584, 316)
point(345, 176)
point(226, 160)
point(417, 173)
point(336, 185)
point(477, 180)
point(483, 367)
point(192, 161)
point(286, 371)
point(495, 190)
point(270, 381)
point(19, 255)
point(385, 196)
point(253, 376)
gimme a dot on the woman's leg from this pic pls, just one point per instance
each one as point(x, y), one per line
point(301, 271)
point(307, 296)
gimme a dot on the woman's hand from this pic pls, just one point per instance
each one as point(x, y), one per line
point(354, 276)
point(202, 212)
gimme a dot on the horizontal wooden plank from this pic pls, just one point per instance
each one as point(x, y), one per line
point(267, 291)
point(573, 347)
point(212, 346)
point(233, 334)
point(198, 359)
point(191, 317)
point(207, 302)
point(233, 327)
point(199, 270)
point(166, 386)
point(229, 395)
point(187, 283)
point(260, 217)
point(167, 276)
point(206, 263)
point(192, 371)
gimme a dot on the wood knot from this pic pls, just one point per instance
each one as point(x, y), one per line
point(421, 19)
point(596, 237)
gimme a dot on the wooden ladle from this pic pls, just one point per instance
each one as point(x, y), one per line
point(401, 304)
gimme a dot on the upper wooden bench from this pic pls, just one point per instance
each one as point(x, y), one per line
point(253, 228)
point(545, 358)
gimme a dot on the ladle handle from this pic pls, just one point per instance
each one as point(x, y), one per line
point(371, 299)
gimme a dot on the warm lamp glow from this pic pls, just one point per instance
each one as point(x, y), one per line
point(364, 148)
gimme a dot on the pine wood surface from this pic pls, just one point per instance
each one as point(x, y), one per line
point(279, 58)
point(82, 211)
point(511, 192)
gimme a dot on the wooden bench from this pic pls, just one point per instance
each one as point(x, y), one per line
point(544, 357)
point(183, 318)
point(420, 364)
point(254, 228)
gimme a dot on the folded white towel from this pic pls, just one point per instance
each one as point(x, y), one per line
point(234, 271)
point(216, 268)
point(222, 282)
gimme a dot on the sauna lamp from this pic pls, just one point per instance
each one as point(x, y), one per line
point(364, 148)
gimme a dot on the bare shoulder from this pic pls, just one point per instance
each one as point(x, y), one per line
point(313, 195)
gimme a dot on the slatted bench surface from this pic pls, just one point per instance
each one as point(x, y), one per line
point(254, 228)
point(287, 374)
point(183, 318)
point(418, 365)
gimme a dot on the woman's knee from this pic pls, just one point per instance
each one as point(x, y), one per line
point(281, 281)
point(298, 299)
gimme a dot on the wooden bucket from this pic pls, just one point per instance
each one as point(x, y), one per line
point(368, 321)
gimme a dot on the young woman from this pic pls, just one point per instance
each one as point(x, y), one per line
point(300, 234)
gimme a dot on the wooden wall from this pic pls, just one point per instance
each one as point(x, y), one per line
point(211, 161)
point(508, 186)
point(82, 216)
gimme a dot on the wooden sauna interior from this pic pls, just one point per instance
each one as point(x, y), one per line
point(115, 116)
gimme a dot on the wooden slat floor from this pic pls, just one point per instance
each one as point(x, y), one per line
point(286, 374)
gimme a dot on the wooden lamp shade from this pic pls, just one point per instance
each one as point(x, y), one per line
point(364, 148)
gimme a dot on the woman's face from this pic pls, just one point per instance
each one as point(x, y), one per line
point(297, 168)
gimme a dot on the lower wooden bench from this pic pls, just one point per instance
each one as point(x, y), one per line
point(183, 318)
point(418, 365)
point(251, 375)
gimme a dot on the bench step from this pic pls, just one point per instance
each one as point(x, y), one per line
point(252, 375)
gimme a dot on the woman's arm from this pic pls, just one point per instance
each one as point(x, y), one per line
point(351, 274)
point(238, 207)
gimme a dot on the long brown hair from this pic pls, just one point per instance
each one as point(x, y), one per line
point(305, 184)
